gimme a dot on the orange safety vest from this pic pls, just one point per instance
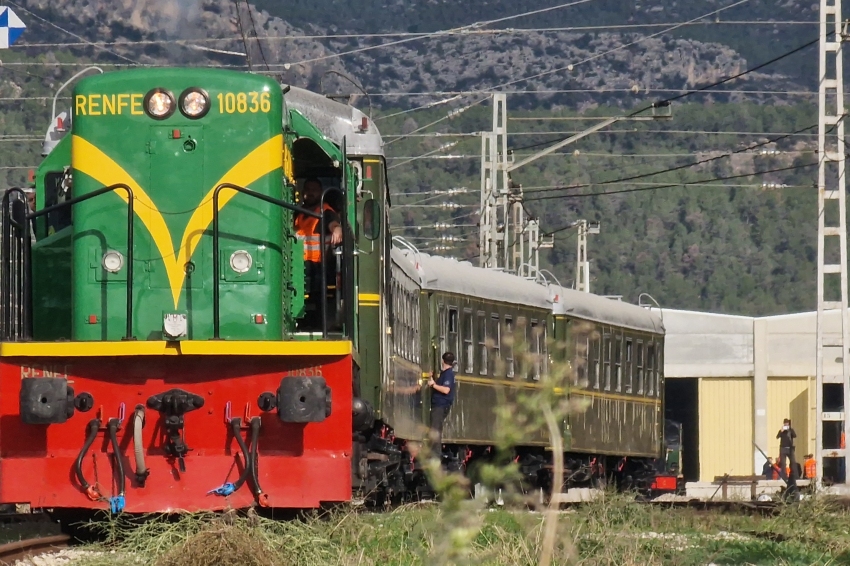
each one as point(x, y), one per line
point(811, 468)
point(305, 229)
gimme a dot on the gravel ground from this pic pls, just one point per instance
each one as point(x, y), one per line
point(58, 558)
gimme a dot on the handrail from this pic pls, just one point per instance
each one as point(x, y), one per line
point(216, 252)
point(27, 241)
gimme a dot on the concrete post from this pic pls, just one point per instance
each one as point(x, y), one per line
point(760, 424)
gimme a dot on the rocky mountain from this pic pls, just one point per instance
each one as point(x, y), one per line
point(744, 246)
point(470, 58)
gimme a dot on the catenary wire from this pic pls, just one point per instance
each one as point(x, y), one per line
point(63, 30)
point(673, 185)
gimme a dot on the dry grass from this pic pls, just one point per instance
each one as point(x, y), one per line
point(221, 545)
point(614, 531)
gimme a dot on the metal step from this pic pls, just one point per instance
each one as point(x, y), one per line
point(837, 416)
point(832, 267)
point(833, 379)
point(831, 306)
point(834, 452)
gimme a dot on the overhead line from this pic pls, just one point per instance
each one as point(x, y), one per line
point(471, 33)
point(595, 154)
point(586, 90)
point(673, 185)
point(687, 165)
point(667, 101)
point(433, 34)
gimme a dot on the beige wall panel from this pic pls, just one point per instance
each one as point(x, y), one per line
point(788, 398)
point(725, 427)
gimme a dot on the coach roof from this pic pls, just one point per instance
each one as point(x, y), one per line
point(461, 277)
point(595, 308)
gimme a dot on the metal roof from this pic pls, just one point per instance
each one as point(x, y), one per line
point(600, 309)
point(461, 277)
point(337, 121)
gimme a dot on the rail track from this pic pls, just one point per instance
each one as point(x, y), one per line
point(20, 550)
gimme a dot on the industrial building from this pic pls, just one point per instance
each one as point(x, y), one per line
point(731, 380)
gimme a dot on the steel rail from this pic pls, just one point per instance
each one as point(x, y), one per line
point(23, 549)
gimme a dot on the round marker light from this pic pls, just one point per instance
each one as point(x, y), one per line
point(112, 261)
point(159, 104)
point(241, 261)
point(194, 103)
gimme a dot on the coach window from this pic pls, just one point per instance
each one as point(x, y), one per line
point(468, 345)
point(509, 346)
point(441, 317)
point(453, 331)
point(628, 365)
point(405, 321)
point(536, 350)
point(414, 306)
point(640, 367)
point(482, 343)
point(399, 325)
point(606, 359)
point(618, 362)
point(496, 332)
point(405, 324)
point(650, 369)
point(659, 369)
point(594, 362)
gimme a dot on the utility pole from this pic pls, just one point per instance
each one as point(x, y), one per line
point(494, 229)
point(832, 224)
point(582, 263)
point(509, 239)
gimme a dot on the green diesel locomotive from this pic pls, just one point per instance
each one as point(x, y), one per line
point(169, 344)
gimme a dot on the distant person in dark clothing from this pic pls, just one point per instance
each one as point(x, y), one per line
point(769, 470)
point(786, 436)
point(442, 397)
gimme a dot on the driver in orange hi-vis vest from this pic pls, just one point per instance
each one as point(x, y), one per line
point(307, 229)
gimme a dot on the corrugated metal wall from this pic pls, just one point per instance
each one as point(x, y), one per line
point(725, 427)
point(788, 398)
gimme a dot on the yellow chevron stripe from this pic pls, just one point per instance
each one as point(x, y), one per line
point(260, 162)
point(89, 159)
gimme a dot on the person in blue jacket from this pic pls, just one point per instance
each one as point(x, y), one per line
point(442, 397)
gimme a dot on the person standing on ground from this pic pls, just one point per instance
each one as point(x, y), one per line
point(810, 467)
point(769, 469)
point(442, 397)
point(786, 436)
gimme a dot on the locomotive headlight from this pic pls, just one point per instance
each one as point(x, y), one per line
point(112, 261)
point(241, 261)
point(194, 103)
point(159, 104)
